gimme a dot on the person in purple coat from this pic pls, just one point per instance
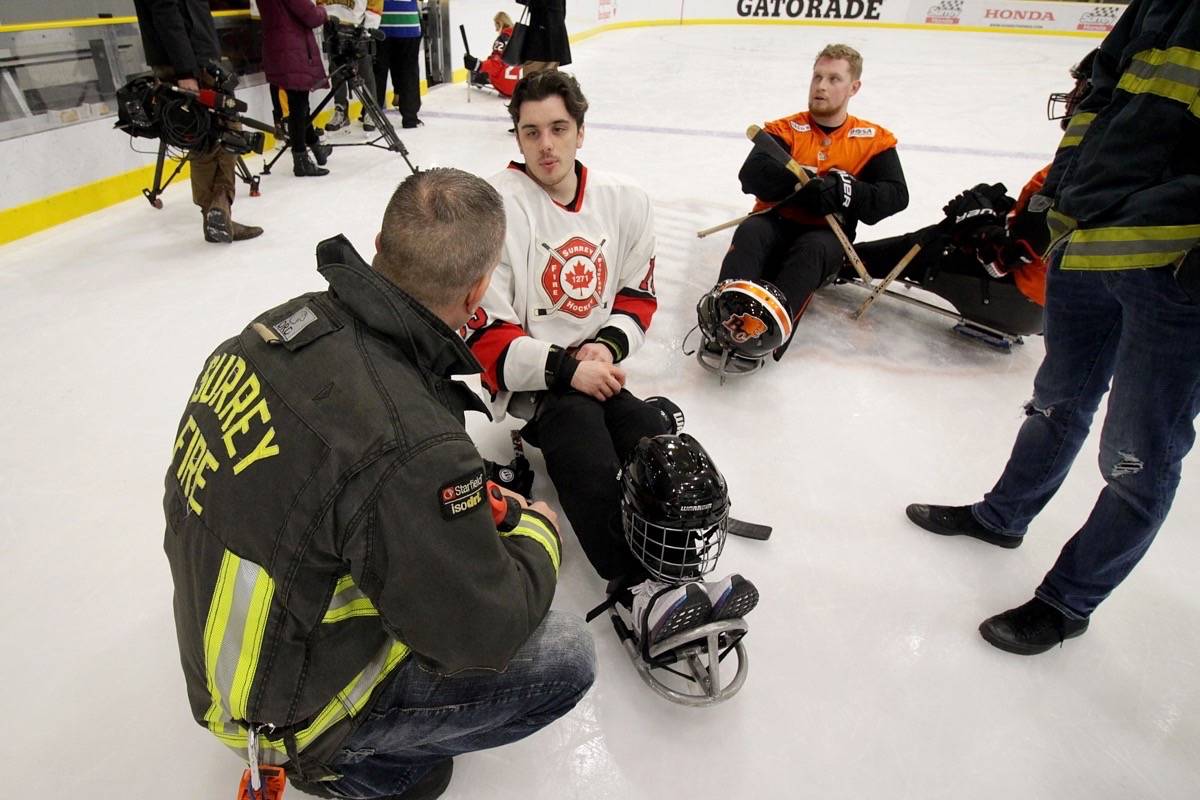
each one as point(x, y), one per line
point(292, 61)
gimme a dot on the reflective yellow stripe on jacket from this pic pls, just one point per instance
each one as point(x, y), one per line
point(233, 637)
point(1129, 247)
point(540, 532)
point(1173, 73)
point(1073, 135)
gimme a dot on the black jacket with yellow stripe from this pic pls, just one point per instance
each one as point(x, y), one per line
point(327, 519)
point(1126, 178)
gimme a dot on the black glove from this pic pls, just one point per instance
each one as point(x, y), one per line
point(829, 193)
point(470, 62)
point(516, 475)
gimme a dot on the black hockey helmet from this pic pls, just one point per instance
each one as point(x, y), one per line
point(748, 318)
point(674, 507)
point(1062, 105)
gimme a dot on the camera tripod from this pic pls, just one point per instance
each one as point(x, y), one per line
point(347, 74)
point(158, 187)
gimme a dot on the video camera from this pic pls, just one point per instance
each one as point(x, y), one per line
point(154, 109)
point(350, 42)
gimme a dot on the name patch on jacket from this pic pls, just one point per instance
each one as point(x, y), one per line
point(796, 126)
point(462, 495)
point(861, 133)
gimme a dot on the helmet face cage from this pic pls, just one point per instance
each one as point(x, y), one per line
point(674, 508)
point(1062, 105)
point(674, 555)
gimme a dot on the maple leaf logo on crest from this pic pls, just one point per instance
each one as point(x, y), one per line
point(579, 277)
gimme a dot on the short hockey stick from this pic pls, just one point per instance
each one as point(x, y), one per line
point(882, 286)
point(776, 151)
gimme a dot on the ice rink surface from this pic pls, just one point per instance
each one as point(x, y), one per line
point(868, 678)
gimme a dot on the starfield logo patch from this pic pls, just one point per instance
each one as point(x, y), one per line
point(462, 495)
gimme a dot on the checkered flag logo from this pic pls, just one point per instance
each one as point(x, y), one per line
point(948, 8)
point(1102, 15)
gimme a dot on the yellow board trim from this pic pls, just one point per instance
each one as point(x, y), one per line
point(47, 212)
point(95, 22)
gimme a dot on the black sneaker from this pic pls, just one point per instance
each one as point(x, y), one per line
point(368, 126)
point(1032, 628)
point(957, 521)
point(430, 785)
point(411, 123)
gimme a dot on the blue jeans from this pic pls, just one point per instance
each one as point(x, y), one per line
point(421, 717)
point(1139, 330)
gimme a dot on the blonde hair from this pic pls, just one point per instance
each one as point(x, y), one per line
point(502, 20)
point(847, 54)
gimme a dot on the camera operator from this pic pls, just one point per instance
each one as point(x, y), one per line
point(180, 39)
point(367, 14)
point(292, 61)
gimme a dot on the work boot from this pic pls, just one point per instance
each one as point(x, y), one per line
point(216, 226)
point(303, 167)
point(957, 521)
point(1032, 628)
point(337, 121)
point(321, 152)
point(243, 232)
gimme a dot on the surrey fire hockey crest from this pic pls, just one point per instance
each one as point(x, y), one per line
point(574, 277)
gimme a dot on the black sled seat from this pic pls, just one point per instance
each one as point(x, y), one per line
point(983, 300)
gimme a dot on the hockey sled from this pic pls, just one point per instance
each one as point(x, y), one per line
point(690, 668)
point(994, 313)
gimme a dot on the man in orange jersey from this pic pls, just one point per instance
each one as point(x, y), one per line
point(986, 231)
point(856, 176)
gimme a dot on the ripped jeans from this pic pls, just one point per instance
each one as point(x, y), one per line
point(1138, 329)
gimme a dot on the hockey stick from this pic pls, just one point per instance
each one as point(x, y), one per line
point(773, 149)
point(882, 286)
point(723, 226)
point(462, 29)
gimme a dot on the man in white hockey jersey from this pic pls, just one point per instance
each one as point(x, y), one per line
point(573, 297)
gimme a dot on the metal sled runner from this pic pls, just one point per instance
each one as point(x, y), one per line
point(701, 650)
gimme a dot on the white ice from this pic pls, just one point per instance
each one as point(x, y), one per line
point(868, 678)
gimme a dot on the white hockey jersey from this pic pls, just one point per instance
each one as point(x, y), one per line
point(568, 275)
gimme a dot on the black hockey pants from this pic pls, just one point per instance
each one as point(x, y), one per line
point(797, 259)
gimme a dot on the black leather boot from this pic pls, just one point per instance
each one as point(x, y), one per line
point(303, 167)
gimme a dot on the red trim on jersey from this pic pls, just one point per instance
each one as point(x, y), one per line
point(489, 346)
point(576, 204)
point(637, 305)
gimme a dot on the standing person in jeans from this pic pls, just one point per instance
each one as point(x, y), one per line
point(1122, 305)
point(399, 54)
point(347, 602)
point(546, 43)
point(180, 40)
point(365, 13)
point(292, 61)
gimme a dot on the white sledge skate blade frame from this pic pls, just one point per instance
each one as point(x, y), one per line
point(702, 649)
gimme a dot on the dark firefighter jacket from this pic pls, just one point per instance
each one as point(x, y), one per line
point(1126, 178)
point(326, 519)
